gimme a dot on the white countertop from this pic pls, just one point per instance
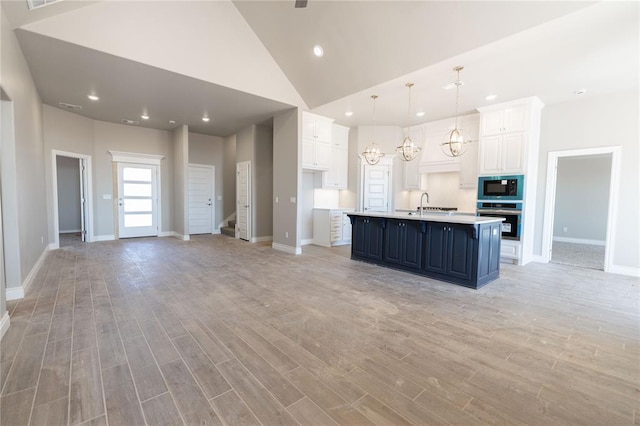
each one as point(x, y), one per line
point(335, 208)
point(464, 219)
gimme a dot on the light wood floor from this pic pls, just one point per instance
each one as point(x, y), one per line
point(219, 331)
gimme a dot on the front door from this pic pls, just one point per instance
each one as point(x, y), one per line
point(376, 188)
point(137, 200)
point(201, 199)
point(243, 197)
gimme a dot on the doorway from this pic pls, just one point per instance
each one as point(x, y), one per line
point(376, 182)
point(243, 197)
point(72, 195)
point(137, 200)
point(201, 199)
point(580, 207)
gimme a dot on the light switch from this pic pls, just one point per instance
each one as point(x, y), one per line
point(106, 196)
point(293, 200)
point(277, 199)
point(219, 197)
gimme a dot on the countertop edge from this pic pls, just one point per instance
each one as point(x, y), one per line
point(460, 219)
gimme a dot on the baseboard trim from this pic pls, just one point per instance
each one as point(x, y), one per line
point(4, 324)
point(166, 234)
point(268, 238)
point(182, 237)
point(539, 259)
point(26, 283)
point(14, 293)
point(104, 238)
point(216, 232)
point(286, 249)
point(580, 241)
point(625, 270)
point(306, 242)
point(69, 231)
point(53, 246)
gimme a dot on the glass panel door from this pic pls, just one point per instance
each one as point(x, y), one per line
point(137, 200)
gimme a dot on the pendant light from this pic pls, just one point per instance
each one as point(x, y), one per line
point(456, 141)
point(372, 153)
point(408, 150)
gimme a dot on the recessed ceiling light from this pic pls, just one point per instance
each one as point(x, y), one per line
point(93, 97)
point(491, 97)
point(420, 113)
point(348, 113)
point(580, 92)
point(144, 116)
point(205, 119)
point(318, 51)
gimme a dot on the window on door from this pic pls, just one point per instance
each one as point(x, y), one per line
point(137, 200)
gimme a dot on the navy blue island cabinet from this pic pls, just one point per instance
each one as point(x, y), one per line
point(464, 251)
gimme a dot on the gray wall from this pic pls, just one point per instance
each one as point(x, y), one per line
point(29, 156)
point(263, 181)
point(180, 191)
point(205, 149)
point(582, 197)
point(68, 180)
point(306, 201)
point(608, 120)
point(229, 176)
point(287, 176)
point(70, 132)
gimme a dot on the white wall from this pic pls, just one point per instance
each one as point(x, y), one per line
point(29, 176)
point(582, 197)
point(68, 180)
point(205, 149)
point(263, 181)
point(180, 191)
point(229, 177)
point(608, 120)
point(306, 205)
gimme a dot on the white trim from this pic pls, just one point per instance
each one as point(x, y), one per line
point(34, 271)
point(53, 246)
point(134, 157)
point(306, 242)
point(14, 293)
point(286, 249)
point(181, 237)
point(262, 239)
point(216, 231)
point(104, 237)
point(166, 234)
point(550, 197)
point(580, 241)
point(69, 231)
point(4, 324)
point(625, 270)
point(88, 205)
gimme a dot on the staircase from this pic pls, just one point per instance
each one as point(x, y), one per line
point(230, 229)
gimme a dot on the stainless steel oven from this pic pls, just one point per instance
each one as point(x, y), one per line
point(512, 212)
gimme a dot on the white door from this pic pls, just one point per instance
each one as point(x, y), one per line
point(376, 188)
point(243, 199)
point(83, 199)
point(137, 200)
point(201, 196)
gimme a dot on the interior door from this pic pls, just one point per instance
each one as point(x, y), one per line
point(243, 199)
point(376, 188)
point(83, 199)
point(201, 199)
point(137, 200)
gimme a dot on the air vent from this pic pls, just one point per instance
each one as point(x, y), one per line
point(35, 4)
point(125, 121)
point(70, 106)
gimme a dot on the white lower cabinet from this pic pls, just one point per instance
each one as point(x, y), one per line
point(331, 227)
point(510, 249)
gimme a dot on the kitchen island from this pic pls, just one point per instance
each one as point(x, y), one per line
point(461, 249)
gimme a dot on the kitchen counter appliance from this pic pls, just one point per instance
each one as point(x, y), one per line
point(512, 212)
point(501, 188)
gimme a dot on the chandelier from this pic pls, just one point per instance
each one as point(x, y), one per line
point(408, 150)
point(456, 141)
point(372, 153)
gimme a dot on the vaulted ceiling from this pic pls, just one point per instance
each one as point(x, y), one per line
point(240, 62)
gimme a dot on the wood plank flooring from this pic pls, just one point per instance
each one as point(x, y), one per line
point(216, 331)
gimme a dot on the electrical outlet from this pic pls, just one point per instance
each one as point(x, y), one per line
point(277, 199)
point(286, 235)
point(565, 229)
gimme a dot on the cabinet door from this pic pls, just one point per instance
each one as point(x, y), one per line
point(393, 241)
point(489, 156)
point(375, 239)
point(359, 243)
point(322, 155)
point(460, 251)
point(308, 126)
point(513, 153)
point(492, 122)
point(412, 244)
point(435, 259)
point(308, 154)
point(346, 228)
point(341, 164)
point(515, 119)
point(323, 130)
point(469, 167)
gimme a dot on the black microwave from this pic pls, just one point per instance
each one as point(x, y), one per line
point(501, 187)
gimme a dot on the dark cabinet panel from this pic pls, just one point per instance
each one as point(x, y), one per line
point(403, 243)
point(436, 248)
point(367, 237)
point(460, 252)
point(414, 241)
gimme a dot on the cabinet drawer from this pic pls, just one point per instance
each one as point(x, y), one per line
point(510, 251)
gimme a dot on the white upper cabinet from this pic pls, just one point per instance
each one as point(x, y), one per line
point(509, 139)
point(316, 141)
point(337, 175)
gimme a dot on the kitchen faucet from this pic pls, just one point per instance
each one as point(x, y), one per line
point(421, 198)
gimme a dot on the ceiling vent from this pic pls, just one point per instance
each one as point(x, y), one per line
point(125, 121)
point(35, 4)
point(71, 107)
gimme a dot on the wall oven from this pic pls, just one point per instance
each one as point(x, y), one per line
point(512, 212)
point(501, 187)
